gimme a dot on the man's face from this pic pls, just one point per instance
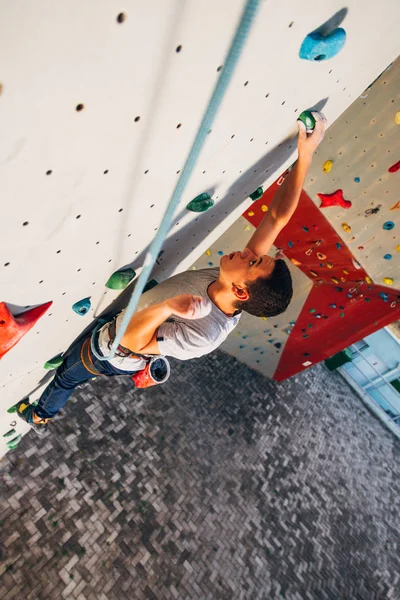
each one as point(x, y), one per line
point(238, 267)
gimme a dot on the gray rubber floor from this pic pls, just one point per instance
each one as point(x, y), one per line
point(218, 485)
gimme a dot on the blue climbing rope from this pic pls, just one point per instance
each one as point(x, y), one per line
point(221, 87)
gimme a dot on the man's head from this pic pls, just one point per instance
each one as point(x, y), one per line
point(260, 285)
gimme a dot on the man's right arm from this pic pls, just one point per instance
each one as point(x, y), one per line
point(141, 334)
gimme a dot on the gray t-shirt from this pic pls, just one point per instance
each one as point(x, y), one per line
point(178, 337)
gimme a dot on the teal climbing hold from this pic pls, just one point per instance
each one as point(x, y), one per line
point(201, 203)
point(14, 442)
point(388, 225)
point(220, 252)
point(357, 179)
point(257, 194)
point(54, 362)
point(338, 245)
point(120, 279)
point(317, 47)
point(388, 257)
point(82, 307)
point(308, 120)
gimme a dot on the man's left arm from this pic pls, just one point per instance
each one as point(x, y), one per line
point(287, 197)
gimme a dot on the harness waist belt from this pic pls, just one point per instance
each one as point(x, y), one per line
point(122, 351)
point(86, 358)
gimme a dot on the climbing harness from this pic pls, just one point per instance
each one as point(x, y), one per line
point(121, 351)
point(220, 89)
point(87, 359)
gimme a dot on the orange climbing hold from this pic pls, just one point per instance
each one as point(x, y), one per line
point(396, 206)
point(346, 227)
point(12, 329)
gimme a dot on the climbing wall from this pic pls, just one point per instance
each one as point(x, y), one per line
point(344, 239)
point(99, 107)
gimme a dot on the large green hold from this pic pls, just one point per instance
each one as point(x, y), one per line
point(14, 442)
point(308, 120)
point(257, 194)
point(120, 279)
point(54, 362)
point(201, 203)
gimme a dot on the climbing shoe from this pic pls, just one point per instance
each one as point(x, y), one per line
point(26, 411)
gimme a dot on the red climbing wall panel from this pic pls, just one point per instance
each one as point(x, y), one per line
point(343, 306)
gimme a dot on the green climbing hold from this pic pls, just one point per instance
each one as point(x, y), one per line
point(257, 194)
point(9, 433)
point(14, 442)
point(312, 310)
point(12, 409)
point(120, 279)
point(201, 203)
point(308, 120)
point(54, 362)
point(149, 285)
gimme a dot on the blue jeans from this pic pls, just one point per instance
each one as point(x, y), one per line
point(68, 376)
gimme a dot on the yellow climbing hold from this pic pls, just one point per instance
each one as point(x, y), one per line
point(335, 280)
point(346, 227)
point(264, 318)
point(250, 213)
point(398, 248)
point(397, 118)
point(387, 280)
point(368, 279)
point(208, 252)
point(329, 265)
point(264, 208)
point(345, 272)
point(314, 274)
point(247, 228)
point(327, 166)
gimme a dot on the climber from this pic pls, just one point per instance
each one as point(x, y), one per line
point(192, 313)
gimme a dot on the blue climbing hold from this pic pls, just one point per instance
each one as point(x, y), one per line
point(332, 305)
point(82, 307)
point(305, 228)
point(388, 257)
point(210, 264)
point(388, 225)
point(242, 346)
point(338, 245)
point(220, 252)
point(290, 244)
point(383, 296)
point(357, 179)
point(317, 47)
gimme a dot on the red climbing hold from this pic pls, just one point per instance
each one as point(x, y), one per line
point(394, 167)
point(12, 329)
point(334, 199)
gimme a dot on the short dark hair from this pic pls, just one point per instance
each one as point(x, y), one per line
point(269, 296)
